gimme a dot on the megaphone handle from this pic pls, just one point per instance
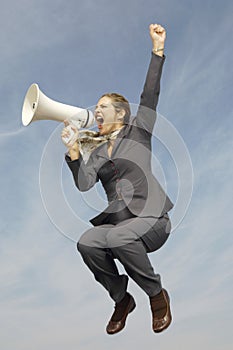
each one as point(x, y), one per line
point(69, 138)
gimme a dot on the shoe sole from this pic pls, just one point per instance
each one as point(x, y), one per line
point(164, 328)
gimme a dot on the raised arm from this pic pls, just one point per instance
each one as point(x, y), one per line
point(146, 114)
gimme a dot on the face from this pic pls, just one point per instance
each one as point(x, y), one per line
point(106, 116)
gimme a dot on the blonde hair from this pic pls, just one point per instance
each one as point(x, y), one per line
point(119, 102)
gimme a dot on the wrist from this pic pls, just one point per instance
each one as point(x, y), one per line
point(158, 49)
point(158, 46)
point(74, 154)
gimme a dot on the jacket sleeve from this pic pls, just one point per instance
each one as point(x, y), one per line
point(84, 175)
point(146, 114)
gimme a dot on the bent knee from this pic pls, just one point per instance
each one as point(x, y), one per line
point(92, 238)
point(82, 248)
point(85, 241)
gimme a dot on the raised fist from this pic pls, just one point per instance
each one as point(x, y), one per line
point(158, 35)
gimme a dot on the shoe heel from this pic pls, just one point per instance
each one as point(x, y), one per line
point(132, 307)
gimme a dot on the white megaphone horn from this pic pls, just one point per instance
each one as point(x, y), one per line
point(37, 106)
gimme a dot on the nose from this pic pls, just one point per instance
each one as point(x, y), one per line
point(97, 110)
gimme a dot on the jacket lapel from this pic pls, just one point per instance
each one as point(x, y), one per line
point(102, 151)
point(119, 138)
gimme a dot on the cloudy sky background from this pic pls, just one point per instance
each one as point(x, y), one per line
point(76, 51)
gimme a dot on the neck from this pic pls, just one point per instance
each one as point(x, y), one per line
point(114, 128)
point(117, 126)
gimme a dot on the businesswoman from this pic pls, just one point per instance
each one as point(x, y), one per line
point(136, 220)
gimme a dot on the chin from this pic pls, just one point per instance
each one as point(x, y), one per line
point(103, 132)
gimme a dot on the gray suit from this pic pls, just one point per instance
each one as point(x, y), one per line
point(129, 183)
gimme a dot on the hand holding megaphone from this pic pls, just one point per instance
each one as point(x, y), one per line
point(69, 134)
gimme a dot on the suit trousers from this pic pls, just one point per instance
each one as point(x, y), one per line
point(129, 241)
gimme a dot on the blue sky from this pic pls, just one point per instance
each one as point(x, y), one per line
point(76, 51)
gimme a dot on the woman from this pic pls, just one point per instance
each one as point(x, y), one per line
point(136, 220)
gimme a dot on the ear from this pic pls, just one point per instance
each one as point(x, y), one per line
point(120, 115)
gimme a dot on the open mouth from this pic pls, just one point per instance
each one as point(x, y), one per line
point(99, 121)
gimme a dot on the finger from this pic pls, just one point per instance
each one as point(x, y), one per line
point(65, 131)
point(65, 135)
point(71, 143)
point(74, 128)
point(158, 28)
point(152, 27)
point(161, 28)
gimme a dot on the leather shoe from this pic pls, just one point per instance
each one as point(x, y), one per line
point(122, 309)
point(161, 312)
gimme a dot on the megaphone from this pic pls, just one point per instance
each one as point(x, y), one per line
point(37, 106)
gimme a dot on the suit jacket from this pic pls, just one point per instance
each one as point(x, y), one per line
point(127, 175)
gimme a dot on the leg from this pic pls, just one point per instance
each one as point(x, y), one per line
point(137, 264)
point(99, 259)
point(133, 256)
point(126, 241)
point(158, 233)
point(93, 249)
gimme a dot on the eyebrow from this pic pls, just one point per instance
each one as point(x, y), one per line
point(102, 104)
